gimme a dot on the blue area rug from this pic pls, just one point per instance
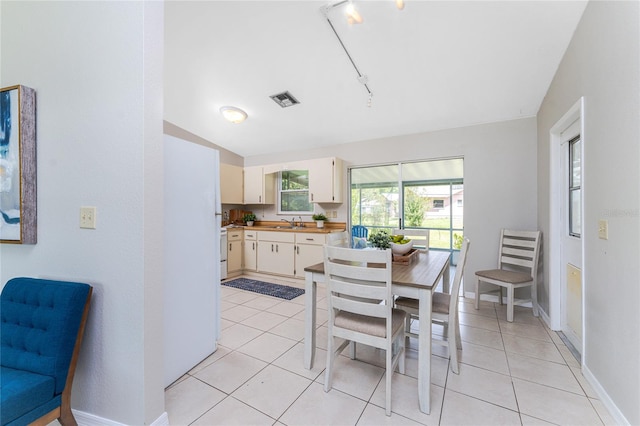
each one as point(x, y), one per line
point(268, 289)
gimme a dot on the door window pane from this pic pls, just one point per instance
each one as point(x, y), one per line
point(374, 196)
point(575, 188)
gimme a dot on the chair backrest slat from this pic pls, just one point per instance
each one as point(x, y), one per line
point(359, 307)
point(354, 289)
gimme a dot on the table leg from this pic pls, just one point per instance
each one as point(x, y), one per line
point(424, 352)
point(446, 280)
point(310, 291)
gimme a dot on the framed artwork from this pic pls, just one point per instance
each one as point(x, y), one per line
point(18, 215)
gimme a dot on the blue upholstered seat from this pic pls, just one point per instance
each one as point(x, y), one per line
point(42, 321)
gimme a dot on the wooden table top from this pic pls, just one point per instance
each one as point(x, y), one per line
point(423, 272)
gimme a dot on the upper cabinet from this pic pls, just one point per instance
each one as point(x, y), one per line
point(325, 180)
point(258, 187)
point(231, 184)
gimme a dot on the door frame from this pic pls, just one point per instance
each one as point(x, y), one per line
point(557, 274)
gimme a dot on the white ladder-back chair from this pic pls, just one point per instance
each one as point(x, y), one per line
point(444, 310)
point(517, 267)
point(420, 237)
point(361, 308)
point(339, 239)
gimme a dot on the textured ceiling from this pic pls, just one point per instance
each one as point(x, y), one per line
point(433, 65)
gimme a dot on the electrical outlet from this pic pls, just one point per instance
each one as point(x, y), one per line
point(603, 229)
point(88, 217)
point(334, 214)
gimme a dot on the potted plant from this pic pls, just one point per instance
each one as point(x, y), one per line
point(320, 219)
point(380, 240)
point(249, 218)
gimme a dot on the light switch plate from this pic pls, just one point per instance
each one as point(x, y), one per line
point(603, 229)
point(88, 217)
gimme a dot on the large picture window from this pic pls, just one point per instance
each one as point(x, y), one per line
point(293, 192)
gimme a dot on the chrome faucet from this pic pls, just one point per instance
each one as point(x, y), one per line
point(291, 223)
point(301, 223)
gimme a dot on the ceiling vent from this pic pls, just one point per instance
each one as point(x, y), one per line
point(284, 99)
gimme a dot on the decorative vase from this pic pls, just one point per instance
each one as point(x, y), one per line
point(320, 223)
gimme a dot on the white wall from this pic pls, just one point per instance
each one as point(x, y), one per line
point(500, 164)
point(602, 64)
point(96, 68)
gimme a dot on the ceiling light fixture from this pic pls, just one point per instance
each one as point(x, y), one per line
point(233, 114)
point(400, 4)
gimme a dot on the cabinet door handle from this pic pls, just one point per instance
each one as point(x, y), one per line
point(253, 245)
point(312, 197)
point(230, 246)
point(276, 248)
point(310, 239)
point(260, 198)
point(271, 248)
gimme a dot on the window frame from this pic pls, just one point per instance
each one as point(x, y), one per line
point(280, 191)
point(574, 188)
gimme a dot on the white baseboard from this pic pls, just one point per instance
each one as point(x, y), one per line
point(87, 419)
point(617, 415)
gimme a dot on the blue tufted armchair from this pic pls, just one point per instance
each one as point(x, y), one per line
point(41, 328)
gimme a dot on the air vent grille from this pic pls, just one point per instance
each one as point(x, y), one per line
point(284, 99)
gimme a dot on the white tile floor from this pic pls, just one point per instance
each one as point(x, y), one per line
point(518, 373)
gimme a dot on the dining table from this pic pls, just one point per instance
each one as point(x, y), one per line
point(417, 280)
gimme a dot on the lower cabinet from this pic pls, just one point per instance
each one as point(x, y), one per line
point(276, 252)
point(234, 252)
point(250, 250)
point(309, 251)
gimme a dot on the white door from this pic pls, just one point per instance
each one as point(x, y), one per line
point(192, 255)
point(571, 240)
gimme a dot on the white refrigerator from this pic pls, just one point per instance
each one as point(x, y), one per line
point(192, 255)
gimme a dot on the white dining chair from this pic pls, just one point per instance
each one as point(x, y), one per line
point(339, 239)
point(517, 267)
point(444, 310)
point(361, 309)
point(420, 237)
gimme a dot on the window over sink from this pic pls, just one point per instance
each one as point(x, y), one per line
point(293, 192)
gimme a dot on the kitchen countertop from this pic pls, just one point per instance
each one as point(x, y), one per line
point(309, 227)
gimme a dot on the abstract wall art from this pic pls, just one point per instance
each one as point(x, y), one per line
point(18, 213)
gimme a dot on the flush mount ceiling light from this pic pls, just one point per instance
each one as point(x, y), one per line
point(233, 114)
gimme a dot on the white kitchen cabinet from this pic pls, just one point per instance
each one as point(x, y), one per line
point(309, 251)
point(250, 250)
point(234, 252)
point(276, 252)
point(325, 180)
point(259, 188)
point(231, 184)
